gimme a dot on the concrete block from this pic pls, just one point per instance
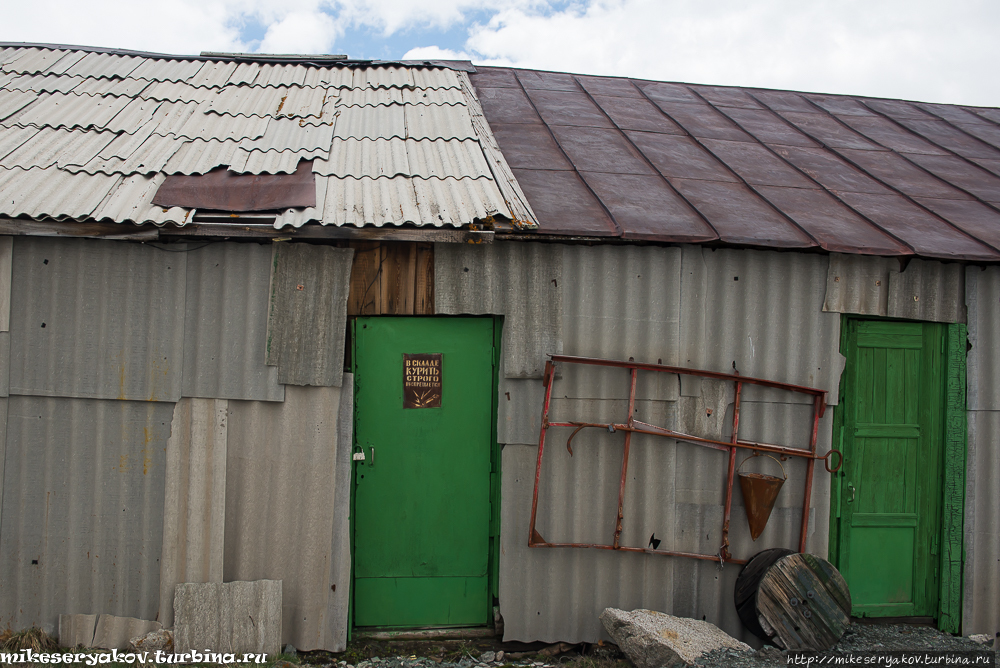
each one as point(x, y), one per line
point(116, 632)
point(231, 617)
point(653, 639)
point(77, 630)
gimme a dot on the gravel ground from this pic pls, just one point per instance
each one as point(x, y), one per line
point(859, 638)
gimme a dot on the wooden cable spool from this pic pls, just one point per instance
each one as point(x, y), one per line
point(794, 601)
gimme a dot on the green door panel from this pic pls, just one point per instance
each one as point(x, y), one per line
point(890, 486)
point(422, 495)
point(437, 601)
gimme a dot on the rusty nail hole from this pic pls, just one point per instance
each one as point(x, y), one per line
point(836, 279)
point(916, 298)
point(708, 411)
point(300, 287)
point(878, 282)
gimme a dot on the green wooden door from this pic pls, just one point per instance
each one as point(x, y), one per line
point(890, 485)
point(422, 494)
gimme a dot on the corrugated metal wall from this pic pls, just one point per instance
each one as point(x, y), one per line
point(225, 331)
point(284, 465)
point(140, 394)
point(520, 281)
point(82, 508)
point(194, 509)
point(980, 613)
point(688, 306)
point(84, 467)
point(869, 285)
point(96, 319)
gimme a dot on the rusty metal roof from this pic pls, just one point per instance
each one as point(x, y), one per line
point(617, 157)
point(94, 134)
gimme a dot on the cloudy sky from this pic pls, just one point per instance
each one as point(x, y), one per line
point(928, 50)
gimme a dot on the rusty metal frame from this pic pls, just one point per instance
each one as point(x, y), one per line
point(633, 426)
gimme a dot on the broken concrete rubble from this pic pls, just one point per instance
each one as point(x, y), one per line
point(115, 632)
point(654, 639)
point(162, 639)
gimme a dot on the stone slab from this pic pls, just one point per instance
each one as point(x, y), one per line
point(230, 617)
point(162, 640)
point(116, 632)
point(76, 630)
point(652, 639)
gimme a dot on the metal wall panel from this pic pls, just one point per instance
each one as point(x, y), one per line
point(980, 613)
point(982, 298)
point(3, 454)
point(338, 604)
point(928, 290)
point(622, 302)
point(281, 508)
point(859, 284)
point(6, 257)
point(688, 306)
point(96, 319)
point(520, 281)
point(225, 330)
point(82, 514)
point(870, 285)
point(194, 507)
point(307, 316)
point(763, 312)
point(981, 584)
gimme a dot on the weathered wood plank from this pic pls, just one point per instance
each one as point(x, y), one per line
point(365, 296)
point(53, 228)
point(423, 303)
point(232, 230)
point(805, 602)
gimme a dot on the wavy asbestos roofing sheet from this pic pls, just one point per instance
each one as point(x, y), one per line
point(86, 134)
point(609, 156)
point(438, 158)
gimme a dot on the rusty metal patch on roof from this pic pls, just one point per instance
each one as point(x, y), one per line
point(222, 190)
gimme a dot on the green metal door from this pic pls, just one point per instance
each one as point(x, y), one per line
point(890, 486)
point(422, 494)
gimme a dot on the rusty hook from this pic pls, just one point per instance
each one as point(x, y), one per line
point(826, 461)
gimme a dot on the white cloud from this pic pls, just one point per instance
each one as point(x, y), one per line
point(174, 26)
point(435, 53)
point(301, 32)
point(892, 48)
point(918, 49)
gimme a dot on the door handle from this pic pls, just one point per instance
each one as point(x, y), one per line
point(373, 456)
point(850, 488)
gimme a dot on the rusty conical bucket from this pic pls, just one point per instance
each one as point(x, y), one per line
point(759, 493)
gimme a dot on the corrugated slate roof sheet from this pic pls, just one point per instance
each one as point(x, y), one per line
point(87, 134)
point(617, 157)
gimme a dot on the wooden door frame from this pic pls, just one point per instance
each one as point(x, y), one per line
point(493, 564)
point(951, 554)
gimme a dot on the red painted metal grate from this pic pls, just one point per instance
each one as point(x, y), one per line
point(633, 426)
